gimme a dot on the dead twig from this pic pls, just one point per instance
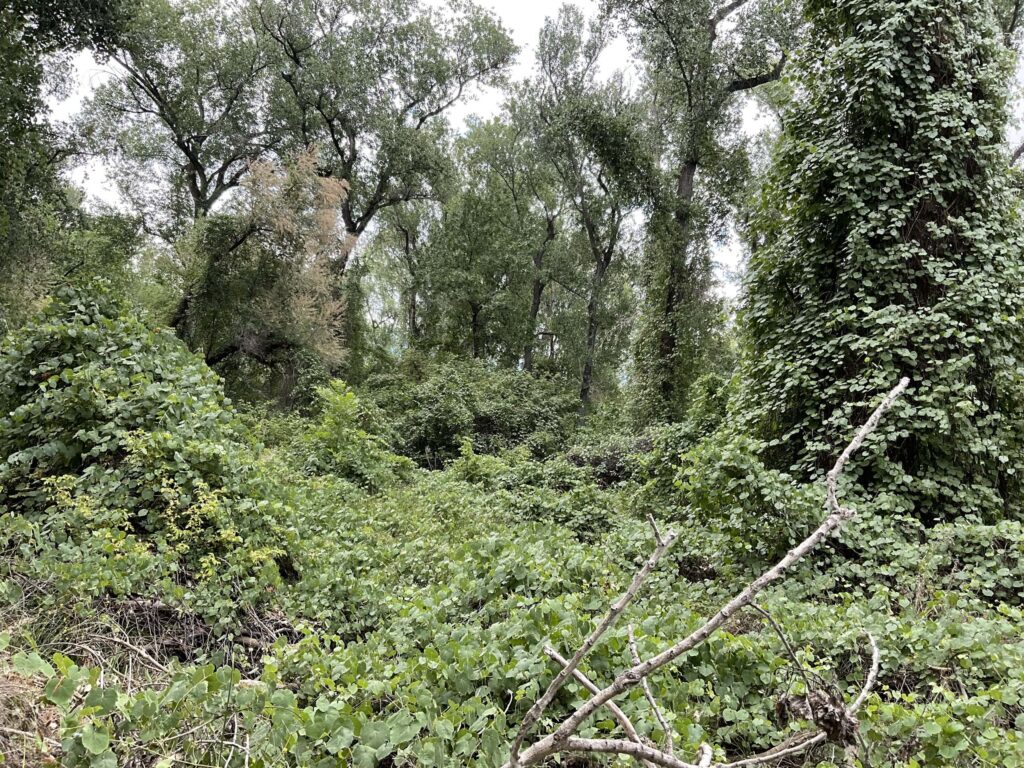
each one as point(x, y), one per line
point(650, 696)
point(564, 739)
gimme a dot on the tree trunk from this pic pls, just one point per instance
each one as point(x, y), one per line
point(414, 323)
point(593, 306)
point(476, 331)
point(538, 292)
point(674, 287)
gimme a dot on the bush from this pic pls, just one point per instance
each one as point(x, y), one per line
point(496, 408)
point(122, 465)
point(343, 440)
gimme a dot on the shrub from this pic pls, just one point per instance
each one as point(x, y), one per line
point(497, 408)
point(122, 465)
point(339, 441)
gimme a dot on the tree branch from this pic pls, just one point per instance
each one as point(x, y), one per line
point(616, 610)
point(749, 83)
point(650, 696)
point(564, 739)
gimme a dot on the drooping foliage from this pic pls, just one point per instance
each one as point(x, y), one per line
point(889, 245)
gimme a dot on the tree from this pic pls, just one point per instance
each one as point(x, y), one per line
point(475, 284)
point(35, 40)
point(589, 133)
point(890, 244)
point(368, 84)
point(700, 58)
point(274, 299)
point(182, 125)
point(509, 150)
point(185, 119)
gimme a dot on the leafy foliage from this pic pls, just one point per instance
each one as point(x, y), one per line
point(123, 466)
point(496, 409)
point(890, 245)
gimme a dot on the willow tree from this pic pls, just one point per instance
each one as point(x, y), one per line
point(700, 57)
point(889, 245)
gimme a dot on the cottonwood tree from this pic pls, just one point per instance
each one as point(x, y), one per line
point(475, 282)
point(588, 130)
point(890, 243)
point(401, 245)
point(508, 149)
point(184, 116)
point(700, 58)
point(368, 83)
point(181, 124)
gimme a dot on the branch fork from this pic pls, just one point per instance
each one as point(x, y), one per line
point(564, 738)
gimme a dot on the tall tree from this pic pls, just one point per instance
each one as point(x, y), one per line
point(36, 37)
point(588, 132)
point(700, 57)
point(890, 245)
point(181, 125)
point(368, 84)
point(185, 118)
point(507, 148)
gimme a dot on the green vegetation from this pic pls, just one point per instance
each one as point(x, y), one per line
point(268, 498)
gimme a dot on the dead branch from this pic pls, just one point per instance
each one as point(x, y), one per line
point(649, 695)
point(563, 738)
point(616, 610)
point(586, 682)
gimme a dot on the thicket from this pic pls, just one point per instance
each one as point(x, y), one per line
point(438, 470)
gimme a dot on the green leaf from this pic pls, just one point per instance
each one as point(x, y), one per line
point(94, 741)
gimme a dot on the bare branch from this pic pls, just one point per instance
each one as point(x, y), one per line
point(769, 76)
point(564, 739)
point(801, 742)
point(647, 690)
point(586, 682)
point(1017, 153)
point(792, 655)
point(722, 13)
point(654, 527)
point(869, 682)
point(616, 610)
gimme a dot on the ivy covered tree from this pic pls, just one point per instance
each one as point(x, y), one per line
point(889, 245)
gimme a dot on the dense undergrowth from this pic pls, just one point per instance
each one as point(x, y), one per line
point(181, 584)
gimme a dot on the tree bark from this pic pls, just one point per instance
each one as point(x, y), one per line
point(476, 331)
point(593, 326)
point(683, 218)
point(538, 292)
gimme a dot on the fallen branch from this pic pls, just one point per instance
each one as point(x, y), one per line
point(567, 670)
point(564, 739)
point(649, 695)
